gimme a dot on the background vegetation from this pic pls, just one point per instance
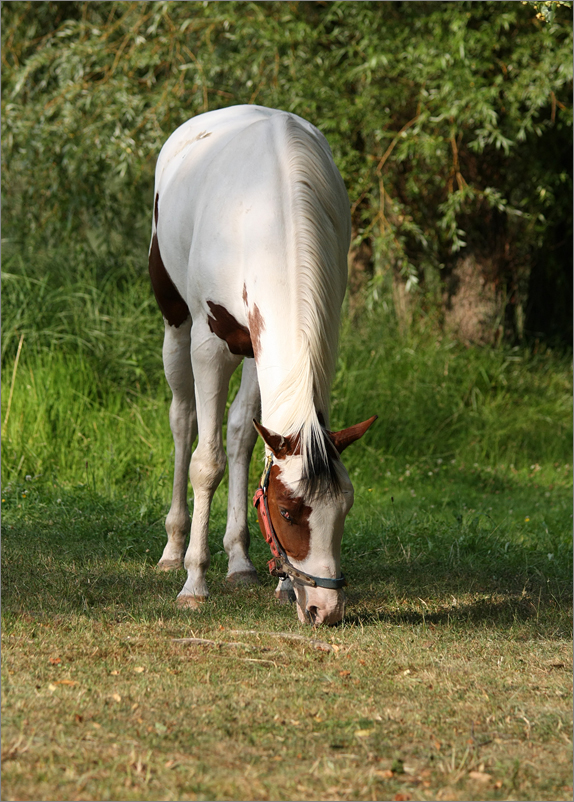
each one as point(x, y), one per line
point(451, 676)
point(451, 124)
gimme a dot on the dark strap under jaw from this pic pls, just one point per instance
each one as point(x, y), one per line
point(279, 565)
point(283, 569)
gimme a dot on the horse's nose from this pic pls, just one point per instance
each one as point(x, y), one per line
point(324, 615)
point(326, 607)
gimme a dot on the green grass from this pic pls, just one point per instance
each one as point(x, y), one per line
point(435, 400)
point(454, 656)
point(450, 677)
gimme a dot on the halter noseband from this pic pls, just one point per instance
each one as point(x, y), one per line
point(279, 565)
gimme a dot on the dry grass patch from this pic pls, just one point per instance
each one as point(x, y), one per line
point(99, 710)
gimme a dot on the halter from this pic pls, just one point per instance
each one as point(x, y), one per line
point(279, 565)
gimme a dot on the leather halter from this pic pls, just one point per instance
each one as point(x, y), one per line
point(279, 565)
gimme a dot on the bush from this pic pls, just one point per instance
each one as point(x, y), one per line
point(450, 122)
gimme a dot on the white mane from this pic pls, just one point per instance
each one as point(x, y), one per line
point(320, 230)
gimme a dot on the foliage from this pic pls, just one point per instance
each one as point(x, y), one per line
point(451, 122)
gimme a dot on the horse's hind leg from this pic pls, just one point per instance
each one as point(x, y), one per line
point(183, 422)
point(213, 365)
point(241, 437)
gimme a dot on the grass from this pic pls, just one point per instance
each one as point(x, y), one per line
point(450, 677)
point(89, 384)
point(454, 657)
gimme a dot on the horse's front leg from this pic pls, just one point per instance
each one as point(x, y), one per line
point(213, 365)
point(241, 437)
point(183, 422)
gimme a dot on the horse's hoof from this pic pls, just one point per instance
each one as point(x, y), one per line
point(242, 578)
point(285, 596)
point(169, 565)
point(190, 602)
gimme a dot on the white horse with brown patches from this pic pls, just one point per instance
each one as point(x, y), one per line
point(248, 259)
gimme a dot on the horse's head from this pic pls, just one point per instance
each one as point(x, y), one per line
point(303, 520)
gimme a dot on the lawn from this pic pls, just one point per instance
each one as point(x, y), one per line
point(450, 677)
point(451, 674)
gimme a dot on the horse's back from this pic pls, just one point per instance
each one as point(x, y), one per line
point(225, 199)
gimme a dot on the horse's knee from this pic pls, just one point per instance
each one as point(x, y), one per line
point(182, 417)
point(234, 437)
point(206, 469)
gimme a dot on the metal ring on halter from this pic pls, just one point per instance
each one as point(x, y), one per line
point(279, 565)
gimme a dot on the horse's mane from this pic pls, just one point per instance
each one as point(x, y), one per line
point(321, 230)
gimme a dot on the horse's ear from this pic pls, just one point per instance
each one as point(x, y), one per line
point(279, 445)
point(345, 437)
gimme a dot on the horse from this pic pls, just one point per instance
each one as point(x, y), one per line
point(248, 261)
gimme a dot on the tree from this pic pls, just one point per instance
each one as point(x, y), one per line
point(450, 122)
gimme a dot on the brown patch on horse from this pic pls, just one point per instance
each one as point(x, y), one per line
point(227, 328)
point(293, 534)
point(244, 296)
point(256, 326)
point(172, 306)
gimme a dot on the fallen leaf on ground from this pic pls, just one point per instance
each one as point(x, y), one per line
point(387, 774)
point(116, 697)
point(363, 733)
point(55, 660)
point(139, 669)
point(480, 776)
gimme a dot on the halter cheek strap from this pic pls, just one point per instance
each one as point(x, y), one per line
point(279, 565)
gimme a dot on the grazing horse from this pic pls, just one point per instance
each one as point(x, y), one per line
point(248, 260)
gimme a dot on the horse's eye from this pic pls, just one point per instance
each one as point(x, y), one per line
point(286, 514)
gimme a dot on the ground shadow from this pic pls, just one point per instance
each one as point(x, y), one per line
point(88, 556)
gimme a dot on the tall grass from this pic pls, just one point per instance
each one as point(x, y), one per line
point(438, 398)
point(97, 308)
point(90, 403)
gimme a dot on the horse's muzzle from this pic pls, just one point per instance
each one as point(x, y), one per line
point(319, 605)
